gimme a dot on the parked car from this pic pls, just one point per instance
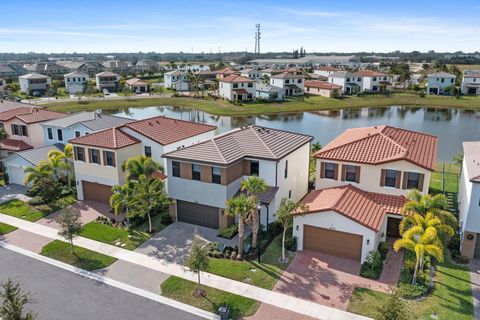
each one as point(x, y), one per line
point(105, 92)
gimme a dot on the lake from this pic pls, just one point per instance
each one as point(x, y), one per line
point(452, 126)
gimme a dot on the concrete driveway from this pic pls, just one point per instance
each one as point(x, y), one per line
point(173, 242)
point(13, 191)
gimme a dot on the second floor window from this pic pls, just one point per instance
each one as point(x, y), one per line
point(196, 175)
point(77, 134)
point(50, 133)
point(216, 175)
point(413, 180)
point(254, 168)
point(94, 155)
point(79, 153)
point(60, 134)
point(148, 151)
point(390, 178)
point(19, 130)
point(329, 170)
point(176, 168)
point(109, 158)
point(351, 173)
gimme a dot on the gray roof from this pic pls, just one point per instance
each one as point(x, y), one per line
point(471, 151)
point(176, 72)
point(34, 75)
point(89, 119)
point(6, 105)
point(265, 197)
point(252, 141)
point(442, 75)
point(34, 156)
point(262, 87)
point(107, 74)
point(76, 74)
point(338, 74)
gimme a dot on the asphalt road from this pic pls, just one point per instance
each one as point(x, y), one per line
point(61, 294)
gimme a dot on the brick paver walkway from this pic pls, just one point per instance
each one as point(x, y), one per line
point(392, 267)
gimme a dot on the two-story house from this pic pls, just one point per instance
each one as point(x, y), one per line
point(362, 179)
point(471, 83)
point(325, 71)
point(76, 82)
point(235, 87)
point(253, 74)
point(78, 124)
point(291, 83)
point(34, 84)
point(204, 176)
point(438, 82)
point(469, 201)
point(350, 83)
point(99, 155)
point(373, 81)
point(176, 80)
point(107, 80)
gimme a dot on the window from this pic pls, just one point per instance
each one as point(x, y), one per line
point(60, 134)
point(348, 79)
point(176, 168)
point(19, 130)
point(351, 173)
point(235, 85)
point(287, 81)
point(374, 78)
point(250, 85)
point(196, 172)
point(329, 170)
point(79, 153)
point(148, 151)
point(443, 80)
point(49, 133)
point(391, 178)
point(413, 180)
point(109, 158)
point(299, 80)
point(77, 134)
point(359, 79)
point(289, 194)
point(451, 80)
point(94, 155)
point(286, 169)
point(254, 168)
point(216, 175)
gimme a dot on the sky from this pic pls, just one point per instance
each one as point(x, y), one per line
point(214, 25)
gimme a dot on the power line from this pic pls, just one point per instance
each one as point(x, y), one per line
point(257, 40)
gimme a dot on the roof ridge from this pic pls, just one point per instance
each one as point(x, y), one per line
point(347, 143)
point(261, 140)
point(218, 149)
point(114, 137)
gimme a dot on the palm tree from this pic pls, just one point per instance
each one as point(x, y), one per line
point(316, 146)
point(122, 199)
point(424, 222)
point(34, 174)
point(136, 166)
point(422, 242)
point(240, 206)
point(254, 186)
point(285, 217)
point(65, 156)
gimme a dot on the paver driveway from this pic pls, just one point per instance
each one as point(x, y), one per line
point(325, 279)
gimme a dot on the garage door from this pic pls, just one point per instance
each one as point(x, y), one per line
point(96, 192)
point(198, 214)
point(332, 242)
point(16, 175)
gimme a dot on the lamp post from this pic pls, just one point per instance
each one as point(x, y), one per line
point(259, 207)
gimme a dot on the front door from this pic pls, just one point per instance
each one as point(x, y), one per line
point(393, 227)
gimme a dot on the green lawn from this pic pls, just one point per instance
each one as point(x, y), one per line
point(181, 290)
point(20, 209)
point(266, 273)
point(6, 228)
point(82, 258)
point(111, 235)
point(222, 107)
point(452, 177)
point(451, 298)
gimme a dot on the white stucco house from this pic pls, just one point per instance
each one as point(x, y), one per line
point(76, 82)
point(291, 83)
point(325, 71)
point(471, 83)
point(373, 81)
point(176, 80)
point(323, 88)
point(204, 176)
point(469, 201)
point(107, 80)
point(34, 84)
point(350, 83)
point(253, 74)
point(236, 87)
point(438, 82)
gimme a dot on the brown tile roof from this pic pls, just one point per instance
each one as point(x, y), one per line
point(112, 138)
point(226, 71)
point(40, 115)
point(381, 144)
point(234, 78)
point(14, 145)
point(366, 208)
point(9, 114)
point(322, 85)
point(167, 130)
point(369, 73)
point(287, 75)
point(328, 68)
point(252, 141)
point(135, 81)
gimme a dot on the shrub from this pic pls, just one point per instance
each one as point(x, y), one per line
point(47, 188)
point(422, 94)
point(228, 232)
point(36, 201)
point(373, 265)
point(461, 259)
point(410, 291)
point(291, 244)
point(165, 219)
point(44, 208)
point(383, 248)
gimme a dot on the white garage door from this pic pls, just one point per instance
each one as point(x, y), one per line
point(16, 175)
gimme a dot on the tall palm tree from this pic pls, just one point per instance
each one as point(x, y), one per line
point(424, 222)
point(34, 174)
point(122, 199)
point(422, 242)
point(254, 186)
point(65, 156)
point(316, 146)
point(241, 207)
point(136, 166)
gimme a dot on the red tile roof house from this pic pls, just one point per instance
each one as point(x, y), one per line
point(373, 81)
point(362, 179)
point(99, 156)
point(236, 87)
point(292, 84)
point(204, 176)
point(323, 88)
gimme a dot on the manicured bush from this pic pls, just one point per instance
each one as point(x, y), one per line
point(383, 248)
point(228, 232)
point(461, 259)
point(373, 265)
point(291, 244)
point(36, 201)
point(165, 219)
point(410, 291)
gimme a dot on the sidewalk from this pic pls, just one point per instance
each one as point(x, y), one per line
point(273, 298)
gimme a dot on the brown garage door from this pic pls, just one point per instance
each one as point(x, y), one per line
point(96, 192)
point(198, 214)
point(335, 243)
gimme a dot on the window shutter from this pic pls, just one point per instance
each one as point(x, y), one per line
point(104, 155)
point(405, 180)
point(421, 177)
point(382, 177)
point(114, 163)
point(322, 170)
point(344, 172)
point(357, 175)
point(90, 155)
point(397, 179)
point(335, 173)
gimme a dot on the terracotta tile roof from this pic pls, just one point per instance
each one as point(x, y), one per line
point(366, 208)
point(9, 114)
point(369, 73)
point(381, 144)
point(135, 81)
point(167, 130)
point(112, 138)
point(252, 141)
point(240, 91)
point(322, 85)
point(328, 68)
point(14, 145)
point(234, 78)
point(40, 115)
point(287, 75)
point(159, 175)
point(226, 71)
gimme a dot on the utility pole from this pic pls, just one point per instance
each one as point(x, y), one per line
point(257, 40)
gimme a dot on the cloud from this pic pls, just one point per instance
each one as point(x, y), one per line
point(311, 13)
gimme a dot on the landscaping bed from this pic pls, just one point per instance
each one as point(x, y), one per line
point(373, 265)
point(82, 258)
point(181, 290)
point(6, 228)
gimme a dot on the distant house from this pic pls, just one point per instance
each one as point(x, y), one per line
point(251, 74)
point(373, 81)
point(292, 84)
point(269, 72)
point(235, 87)
point(89, 67)
point(137, 85)
point(47, 68)
point(225, 73)
point(325, 70)
point(323, 88)
point(269, 92)
point(3, 84)
point(34, 84)
point(438, 82)
point(76, 82)
point(471, 83)
point(350, 83)
point(146, 65)
point(107, 80)
point(176, 80)
point(118, 66)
